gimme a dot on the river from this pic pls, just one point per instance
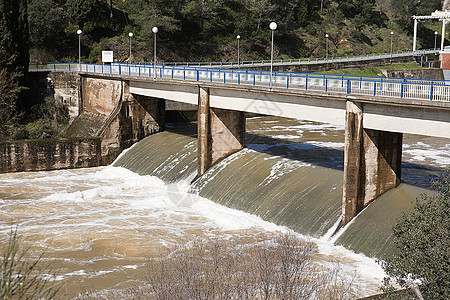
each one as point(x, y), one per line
point(99, 226)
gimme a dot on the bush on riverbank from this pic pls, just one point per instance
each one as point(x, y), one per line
point(280, 268)
point(423, 243)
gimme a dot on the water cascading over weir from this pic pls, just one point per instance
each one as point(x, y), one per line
point(297, 185)
point(291, 183)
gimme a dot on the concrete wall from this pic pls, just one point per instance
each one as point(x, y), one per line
point(120, 118)
point(100, 95)
point(415, 73)
point(334, 65)
point(49, 154)
point(140, 117)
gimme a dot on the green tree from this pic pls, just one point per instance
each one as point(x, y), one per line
point(9, 93)
point(353, 8)
point(201, 10)
point(260, 10)
point(47, 23)
point(422, 239)
point(405, 9)
point(80, 11)
point(14, 59)
point(148, 13)
point(14, 45)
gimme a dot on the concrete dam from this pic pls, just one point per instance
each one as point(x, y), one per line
point(291, 181)
point(282, 177)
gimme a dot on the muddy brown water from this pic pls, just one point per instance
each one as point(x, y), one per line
point(99, 226)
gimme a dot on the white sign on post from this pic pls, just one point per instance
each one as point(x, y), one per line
point(107, 56)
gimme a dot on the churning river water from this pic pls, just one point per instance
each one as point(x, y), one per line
point(100, 225)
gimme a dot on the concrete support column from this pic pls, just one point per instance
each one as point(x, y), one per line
point(148, 115)
point(372, 162)
point(353, 193)
point(221, 132)
point(204, 132)
point(383, 159)
point(141, 116)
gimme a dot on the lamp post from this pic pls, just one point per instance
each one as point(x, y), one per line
point(155, 31)
point(79, 32)
point(326, 46)
point(130, 35)
point(272, 27)
point(238, 38)
point(392, 35)
point(435, 39)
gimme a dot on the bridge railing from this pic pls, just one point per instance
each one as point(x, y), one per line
point(403, 88)
point(304, 61)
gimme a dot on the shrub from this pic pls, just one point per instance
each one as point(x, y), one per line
point(21, 277)
point(423, 243)
point(279, 268)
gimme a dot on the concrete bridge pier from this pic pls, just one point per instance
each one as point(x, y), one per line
point(146, 116)
point(221, 132)
point(141, 116)
point(372, 162)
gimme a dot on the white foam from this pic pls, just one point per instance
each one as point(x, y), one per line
point(282, 167)
point(117, 199)
point(76, 273)
point(231, 219)
point(435, 156)
point(327, 144)
point(286, 137)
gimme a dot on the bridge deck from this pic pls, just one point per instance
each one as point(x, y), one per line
point(402, 88)
point(416, 106)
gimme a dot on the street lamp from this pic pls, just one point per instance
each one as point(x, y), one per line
point(326, 45)
point(272, 27)
point(130, 35)
point(392, 35)
point(155, 31)
point(238, 38)
point(435, 39)
point(79, 32)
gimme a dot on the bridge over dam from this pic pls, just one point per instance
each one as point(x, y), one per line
point(374, 111)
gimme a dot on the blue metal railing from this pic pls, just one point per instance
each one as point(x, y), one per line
point(404, 88)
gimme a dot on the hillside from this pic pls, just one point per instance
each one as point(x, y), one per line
point(192, 30)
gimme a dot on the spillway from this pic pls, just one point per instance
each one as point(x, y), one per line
point(290, 173)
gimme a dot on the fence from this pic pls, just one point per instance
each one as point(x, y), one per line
point(404, 88)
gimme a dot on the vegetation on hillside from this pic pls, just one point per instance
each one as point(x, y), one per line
point(423, 242)
point(14, 61)
point(191, 30)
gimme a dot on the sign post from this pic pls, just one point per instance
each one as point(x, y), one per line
point(107, 56)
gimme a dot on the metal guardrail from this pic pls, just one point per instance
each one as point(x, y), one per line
point(393, 87)
point(305, 61)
